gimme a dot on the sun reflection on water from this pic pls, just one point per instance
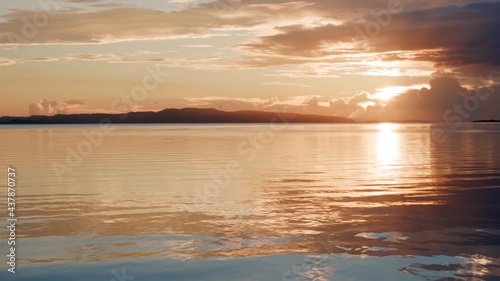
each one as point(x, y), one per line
point(388, 145)
point(362, 197)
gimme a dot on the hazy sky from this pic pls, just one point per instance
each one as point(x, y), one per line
point(377, 59)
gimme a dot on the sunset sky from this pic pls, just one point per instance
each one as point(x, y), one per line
point(367, 60)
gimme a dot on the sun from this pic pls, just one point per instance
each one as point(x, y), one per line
point(386, 127)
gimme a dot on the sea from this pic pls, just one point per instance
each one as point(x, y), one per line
point(248, 202)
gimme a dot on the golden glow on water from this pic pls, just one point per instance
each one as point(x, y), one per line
point(144, 189)
point(388, 145)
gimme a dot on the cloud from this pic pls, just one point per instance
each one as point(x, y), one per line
point(443, 100)
point(143, 52)
point(118, 23)
point(155, 60)
point(49, 108)
point(340, 10)
point(121, 23)
point(44, 59)
point(6, 61)
point(83, 1)
point(278, 83)
point(198, 46)
point(452, 37)
point(115, 25)
point(112, 58)
point(230, 103)
point(295, 33)
point(460, 35)
point(92, 57)
point(302, 41)
point(181, 1)
point(298, 104)
point(349, 107)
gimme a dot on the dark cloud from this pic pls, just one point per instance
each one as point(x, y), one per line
point(340, 9)
point(444, 100)
point(463, 35)
point(301, 41)
point(451, 36)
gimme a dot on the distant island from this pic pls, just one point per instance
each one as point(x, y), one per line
point(394, 121)
point(186, 115)
point(479, 121)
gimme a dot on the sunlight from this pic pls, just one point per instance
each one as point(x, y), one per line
point(390, 92)
point(386, 127)
point(387, 93)
point(387, 145)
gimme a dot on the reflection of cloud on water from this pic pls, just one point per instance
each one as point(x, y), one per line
point(441, 267)
point(387, 236)
point(340, 267)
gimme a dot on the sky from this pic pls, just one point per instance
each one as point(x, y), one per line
point(367, 60)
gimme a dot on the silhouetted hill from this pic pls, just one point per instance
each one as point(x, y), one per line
point(487, 121)
point(394, 121)
point(186, 115)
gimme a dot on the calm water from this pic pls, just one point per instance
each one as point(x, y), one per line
point(246, 202)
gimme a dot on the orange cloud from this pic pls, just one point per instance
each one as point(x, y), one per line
point(49, 108)
point(112, 25)
point(452, 36)
point(444, 100)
